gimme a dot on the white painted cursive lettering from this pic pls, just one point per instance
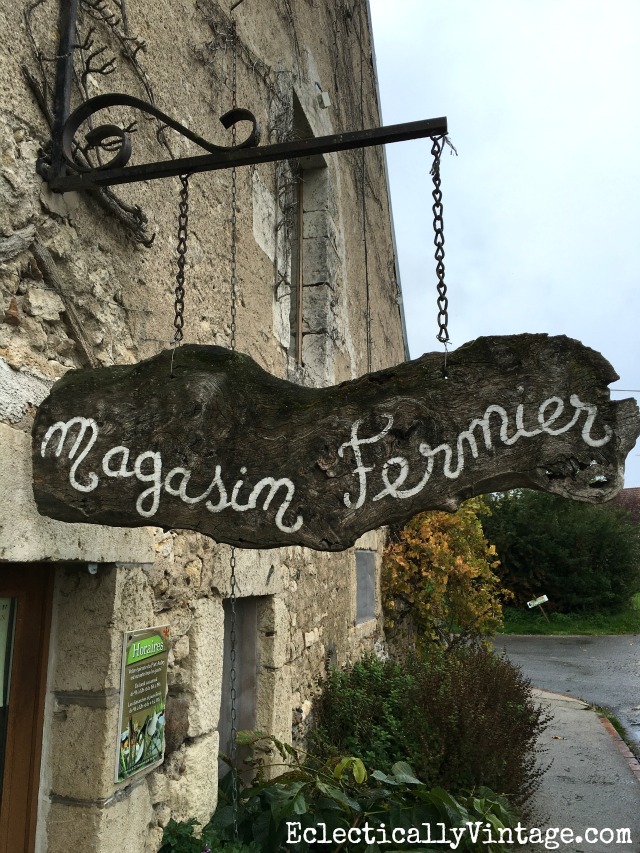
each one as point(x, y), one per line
point(64, 426)
point(153, 476)
point(122, 471)
point(452, 471)
point(147, 468)
point(361, 471)
point(591, 411)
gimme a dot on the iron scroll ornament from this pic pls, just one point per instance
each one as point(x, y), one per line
point(98, 136)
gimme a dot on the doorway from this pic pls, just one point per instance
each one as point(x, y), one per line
point(25, 620)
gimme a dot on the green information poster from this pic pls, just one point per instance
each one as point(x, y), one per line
point(143, 692)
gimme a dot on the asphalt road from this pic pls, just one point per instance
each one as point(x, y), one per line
point(603, 671)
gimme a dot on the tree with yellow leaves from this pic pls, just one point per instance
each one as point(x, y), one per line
point(438, 579)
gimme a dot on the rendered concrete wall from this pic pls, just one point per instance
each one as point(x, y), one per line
point(88, 279)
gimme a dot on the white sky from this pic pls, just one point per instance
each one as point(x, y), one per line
point(542, 205)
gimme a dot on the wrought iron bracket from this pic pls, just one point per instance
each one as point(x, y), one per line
point(69, 167)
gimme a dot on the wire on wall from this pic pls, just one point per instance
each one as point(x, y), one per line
point(363, 177)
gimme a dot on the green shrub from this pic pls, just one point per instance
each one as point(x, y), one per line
point(478, 723)
point(362, 712)
point(340, 794)
point(585, 558)
point(462, 717)
point(180, 837)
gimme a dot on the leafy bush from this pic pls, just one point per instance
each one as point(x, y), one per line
point(362, 712)
point(462, 717)
point(438, 577)
point(342, 795)
point(585, 558)
point(479, 723)
point(180, 837)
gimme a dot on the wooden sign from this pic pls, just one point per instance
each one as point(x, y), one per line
point(225, 448)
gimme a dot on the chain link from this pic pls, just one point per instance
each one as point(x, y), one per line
point(232, 558)
point(442, 301)
point(233, 696)
point(234, 197)
point(234, 255)
point(183, 230)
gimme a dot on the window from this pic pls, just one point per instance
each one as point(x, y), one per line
point(365, 586)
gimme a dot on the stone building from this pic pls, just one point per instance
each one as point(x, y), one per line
point(87, 280)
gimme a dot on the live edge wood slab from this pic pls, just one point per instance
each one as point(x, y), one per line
point(225, 448)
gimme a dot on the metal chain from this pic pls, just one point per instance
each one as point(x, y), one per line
point(232, 558)
point(233, 696)
point(234, 256)
point(442, 301)
point(183, 229)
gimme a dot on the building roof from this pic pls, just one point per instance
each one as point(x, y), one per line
point(629, 499)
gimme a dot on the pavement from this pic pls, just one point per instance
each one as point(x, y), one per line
point(591, 787)
point(602, 670)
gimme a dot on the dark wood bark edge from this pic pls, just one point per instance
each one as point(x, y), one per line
point(229, 450)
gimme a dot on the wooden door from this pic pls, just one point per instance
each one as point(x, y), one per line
point(25, 619)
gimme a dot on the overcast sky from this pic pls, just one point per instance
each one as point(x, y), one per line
point(542, 205)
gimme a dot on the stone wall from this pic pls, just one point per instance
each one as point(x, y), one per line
point(87, 280)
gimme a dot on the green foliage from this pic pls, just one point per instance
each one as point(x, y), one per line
point(341, 794)
point(439, 576)
point(584, 557)
point(525, 621)
point(463, 717)
point(180, 837)
point(362, 712)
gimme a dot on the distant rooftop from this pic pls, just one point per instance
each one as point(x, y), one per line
point(628, 499)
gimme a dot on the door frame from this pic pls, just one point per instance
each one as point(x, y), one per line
point(32, 585)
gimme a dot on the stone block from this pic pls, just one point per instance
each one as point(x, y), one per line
point(257, 572)
point(370, 541)
point(311, 637)
point(318, 309)
point(177, 722)
point(204, 665)
point(281, 315)
point(181, 648)
point(118, 827)
point(317, 355)
point(264, 216)
point(273, 630)
point(319, 223)
point(60, 204)
point(195, 793)
point(45, 304)
point(84, 741)
point(89, 654)
point(321, 260)
point(93, 613)
point(134, 604)
point(153, 839)
point(273, 703)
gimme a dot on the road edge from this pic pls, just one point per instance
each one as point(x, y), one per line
point(634, 764)
point(623, 747)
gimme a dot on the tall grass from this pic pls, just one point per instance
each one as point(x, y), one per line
point(523, 621)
